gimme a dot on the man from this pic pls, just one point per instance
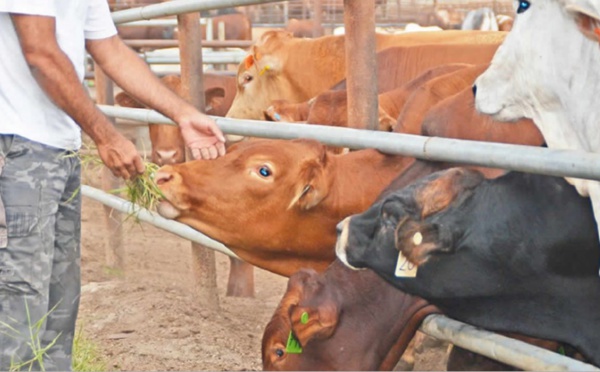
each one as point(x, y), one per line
point(43, 106)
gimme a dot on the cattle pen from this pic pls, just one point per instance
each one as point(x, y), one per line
point(513, 157)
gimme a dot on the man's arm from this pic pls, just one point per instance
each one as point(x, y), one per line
point(56, 75)
point(130, 72)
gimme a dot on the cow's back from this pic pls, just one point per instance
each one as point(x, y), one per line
point(398, 65)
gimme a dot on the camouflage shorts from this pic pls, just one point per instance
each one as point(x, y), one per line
point(40, 210)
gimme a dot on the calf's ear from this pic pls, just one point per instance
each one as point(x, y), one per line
point(310, 322)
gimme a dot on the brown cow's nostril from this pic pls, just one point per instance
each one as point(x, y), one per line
point(165, 157)
point(162, 177)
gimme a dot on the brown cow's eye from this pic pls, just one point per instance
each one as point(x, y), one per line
point(264, 171)
point(279, 352)
point(247, 78)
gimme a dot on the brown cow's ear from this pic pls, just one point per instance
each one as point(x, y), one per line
point(310, 323)
point(315, 186)
point(125, 100)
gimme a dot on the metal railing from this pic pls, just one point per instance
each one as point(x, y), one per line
point(514, 157)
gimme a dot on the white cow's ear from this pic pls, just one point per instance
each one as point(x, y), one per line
point(587, 13)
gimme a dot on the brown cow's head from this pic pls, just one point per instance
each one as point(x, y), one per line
point(258, 77)
point(327, 322)
point(168, 146)
point(261, 196)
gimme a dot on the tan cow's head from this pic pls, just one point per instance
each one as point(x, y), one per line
point(261, 196)
point(168, 146)
point(259, 77)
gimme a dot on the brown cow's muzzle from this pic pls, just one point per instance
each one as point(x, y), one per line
point(168, 181)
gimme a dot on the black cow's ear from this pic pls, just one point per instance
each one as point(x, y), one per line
point(419, 240)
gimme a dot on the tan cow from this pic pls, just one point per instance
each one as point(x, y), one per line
point(167, 144)
point(280, 66)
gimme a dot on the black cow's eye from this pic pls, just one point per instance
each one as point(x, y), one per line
point(523, 6)
point(264, 171)
point(279, 352)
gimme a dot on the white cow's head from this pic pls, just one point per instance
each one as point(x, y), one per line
point(545, 57)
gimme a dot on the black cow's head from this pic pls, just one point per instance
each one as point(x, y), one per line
point(400, 232)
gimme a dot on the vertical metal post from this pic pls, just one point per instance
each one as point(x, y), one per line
point(317, 18)
point(361, 66)
point(204, 267)
point(114, 251)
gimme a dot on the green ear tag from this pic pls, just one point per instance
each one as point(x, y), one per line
point(304, 318)
point(561, 350)
point(293, 346)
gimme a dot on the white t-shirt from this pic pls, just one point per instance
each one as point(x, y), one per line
point(25, 109)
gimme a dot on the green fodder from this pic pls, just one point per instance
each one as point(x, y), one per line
point(141, 190)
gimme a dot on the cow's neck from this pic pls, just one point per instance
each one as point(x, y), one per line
point(314, 65)
point(392, 102)
point(359, 177)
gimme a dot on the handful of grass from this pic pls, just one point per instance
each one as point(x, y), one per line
point(141, 190)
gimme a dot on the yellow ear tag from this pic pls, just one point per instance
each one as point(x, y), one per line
point(265, 69)
point(405, 268)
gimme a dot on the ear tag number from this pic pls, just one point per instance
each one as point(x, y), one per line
point(405, 268)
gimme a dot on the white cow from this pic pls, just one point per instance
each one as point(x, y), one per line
point(548, 70)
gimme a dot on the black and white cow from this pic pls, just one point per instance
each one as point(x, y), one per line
point(515, 254)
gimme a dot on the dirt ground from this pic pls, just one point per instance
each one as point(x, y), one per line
point(147, 319)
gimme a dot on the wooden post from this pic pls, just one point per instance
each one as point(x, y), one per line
point(204, 267)
point(361, 64)
point(114, 251)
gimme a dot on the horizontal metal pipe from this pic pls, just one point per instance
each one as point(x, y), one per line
point(179, 7)
point(503, 349)
point(207, 58)
point(139, 43)
point(152, 218)
point(564, 163)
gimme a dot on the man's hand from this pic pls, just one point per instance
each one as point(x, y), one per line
point(121, 157)
point(202, 136)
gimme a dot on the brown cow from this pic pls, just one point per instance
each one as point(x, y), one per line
point(396, 66)
point(332, 318)
point(274, 202)
point(330, 108)
point(277, 66)
point(167, 143)
point(441, 121)
point(308, 190)
point(168, 148)
point(432, 92)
